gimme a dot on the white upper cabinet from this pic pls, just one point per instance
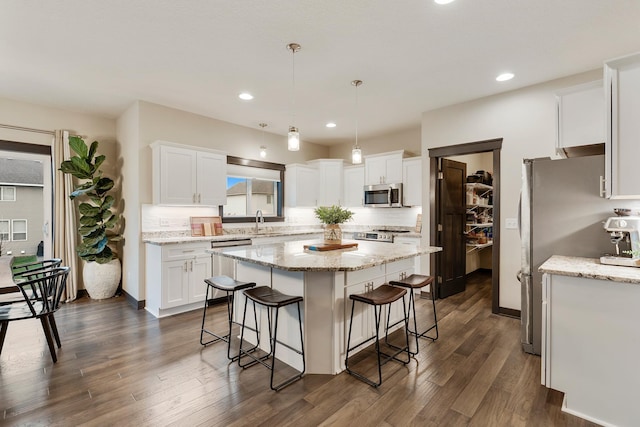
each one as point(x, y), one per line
point(622, 144)
point(580, 116)
point(385, 168)
point(329, 184)
point(353, 186)
point(412, 181)
point(184, 175)
point(301, 183)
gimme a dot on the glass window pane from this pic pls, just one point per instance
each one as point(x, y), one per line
point(4, 229)
point(236, 197)
point(9, 194)
point(19, 229)
point(262, 196)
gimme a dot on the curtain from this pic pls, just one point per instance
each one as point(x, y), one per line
point(65, 231)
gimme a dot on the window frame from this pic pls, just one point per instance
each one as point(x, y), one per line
point(279, 217)
point(26, 230)
point(2, 198)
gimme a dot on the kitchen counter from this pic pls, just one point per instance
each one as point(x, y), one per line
point(325, 279)
point(589, 268)
point(590, 314)
point(226, 237)
point(291, 256)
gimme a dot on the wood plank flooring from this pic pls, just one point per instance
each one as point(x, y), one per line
point(120, 366)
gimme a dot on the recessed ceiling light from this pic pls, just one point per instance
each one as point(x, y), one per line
point(504, 77)
point(443, 1)
point(330, 125)
point(245, 96)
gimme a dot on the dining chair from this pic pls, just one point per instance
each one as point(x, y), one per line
point(41, 294)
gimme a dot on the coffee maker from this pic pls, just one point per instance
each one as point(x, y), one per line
point(624, 232)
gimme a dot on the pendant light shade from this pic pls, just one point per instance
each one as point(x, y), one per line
point(356, 152)
point(293, 140)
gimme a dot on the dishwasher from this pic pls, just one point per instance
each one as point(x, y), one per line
point(223, 266)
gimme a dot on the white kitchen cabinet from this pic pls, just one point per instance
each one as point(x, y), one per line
point(175, 276)
point(329, 183)
point(399, 270)
point(301, 186)
point(385, 168)
point(363, 320)
point(353, 186)
point(580, 116)
point(184, 175)
point(412, 181)
point(622, 149)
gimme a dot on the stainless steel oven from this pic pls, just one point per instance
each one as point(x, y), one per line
point(383, 195)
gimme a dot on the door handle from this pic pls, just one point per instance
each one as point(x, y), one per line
point(45, 229)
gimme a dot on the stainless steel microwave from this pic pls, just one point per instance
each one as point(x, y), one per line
point(383, 195)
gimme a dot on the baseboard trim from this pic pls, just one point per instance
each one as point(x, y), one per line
point(509, 312)
point(138, 305)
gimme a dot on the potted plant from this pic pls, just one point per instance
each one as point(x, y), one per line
point(332, 217)
point(101, 272)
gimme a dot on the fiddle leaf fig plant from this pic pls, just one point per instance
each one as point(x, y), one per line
point(97, 220)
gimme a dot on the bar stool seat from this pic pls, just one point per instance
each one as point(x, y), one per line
point(230, 286)
point(272, 299)
point(416, 281)
point(383, 295)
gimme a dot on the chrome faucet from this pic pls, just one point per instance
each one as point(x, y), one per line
point(259, 219)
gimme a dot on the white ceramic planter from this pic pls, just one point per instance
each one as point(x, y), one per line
point(101, 280)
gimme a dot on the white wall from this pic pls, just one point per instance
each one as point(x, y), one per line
point(525, 119)
point(406, 139)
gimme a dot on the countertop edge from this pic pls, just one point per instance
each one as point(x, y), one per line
point(589, 268)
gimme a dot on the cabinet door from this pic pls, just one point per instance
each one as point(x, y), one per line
point(393, 168)
point(177, 176)
point(199, 269)
point(581, 115)
point(353, 186)
point(375, 168)
point(622, 88)
point(330, 183)
point(175, 283)
point(412, 182)
point(211, 179)
point(398, 271)
point(302, 186)
point(363, 320)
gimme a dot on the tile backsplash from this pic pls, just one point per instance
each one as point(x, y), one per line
point(176, 218)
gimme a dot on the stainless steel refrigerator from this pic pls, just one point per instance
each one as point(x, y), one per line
point(561, 213)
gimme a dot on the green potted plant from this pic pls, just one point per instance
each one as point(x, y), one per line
point(332, 217)
point(97, 223)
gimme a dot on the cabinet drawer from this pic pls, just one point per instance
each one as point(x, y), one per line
point(368, 274)
point(184, 250)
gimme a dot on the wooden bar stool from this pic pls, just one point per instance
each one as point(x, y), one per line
point(230, 286)
point(416, 281)
point(383, 295)
point(271, 299)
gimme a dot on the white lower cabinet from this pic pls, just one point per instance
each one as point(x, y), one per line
point(397, 271)
point(175, 277)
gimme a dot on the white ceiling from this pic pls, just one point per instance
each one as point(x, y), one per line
point(98, 56)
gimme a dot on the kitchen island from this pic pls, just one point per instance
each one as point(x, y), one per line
point(590, 339)
point(325, 279)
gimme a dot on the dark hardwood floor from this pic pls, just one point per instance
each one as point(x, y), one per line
point(119, 366)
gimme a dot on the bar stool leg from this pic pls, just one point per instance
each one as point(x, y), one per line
point(204, 316)
point(255, 347)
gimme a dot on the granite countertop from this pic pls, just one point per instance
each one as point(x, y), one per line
point(225, 237)
point(292, 256)
point(589, 268)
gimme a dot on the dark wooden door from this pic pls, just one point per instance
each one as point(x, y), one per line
point(452, 218)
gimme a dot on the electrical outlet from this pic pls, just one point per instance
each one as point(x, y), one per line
point(164, 222)
point(511, 224)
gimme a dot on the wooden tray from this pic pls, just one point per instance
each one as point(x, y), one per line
point(330, 247)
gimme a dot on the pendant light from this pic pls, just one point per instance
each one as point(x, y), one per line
point(263, 148)
point(356, 152)
point(293, 135)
